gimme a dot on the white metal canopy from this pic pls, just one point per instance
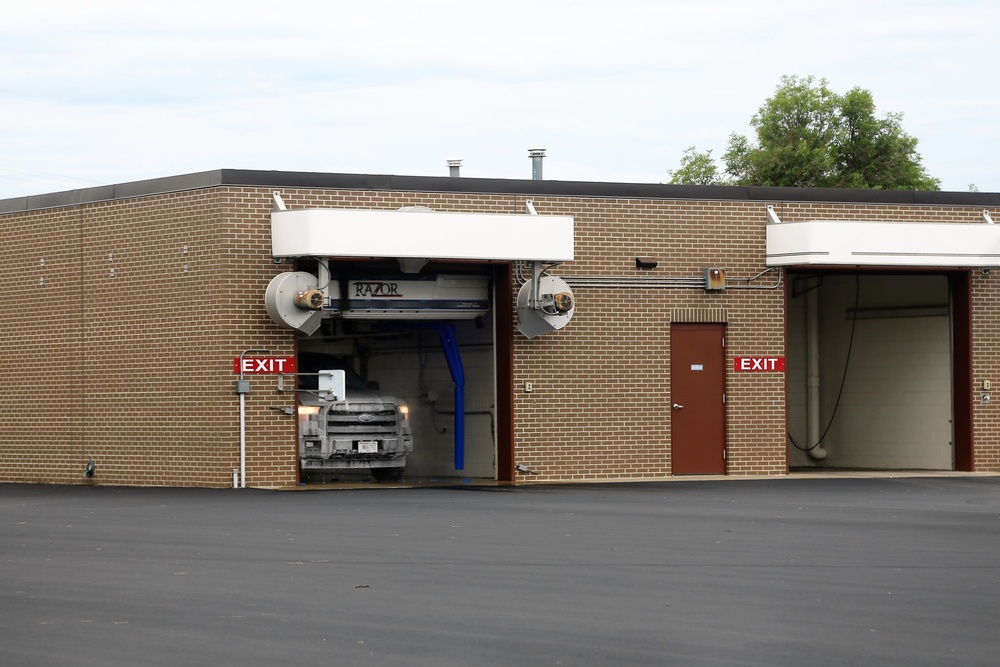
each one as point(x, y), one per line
point(337, 232)
point(868, 243)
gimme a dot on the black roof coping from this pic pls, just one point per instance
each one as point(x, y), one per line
point(497, 186)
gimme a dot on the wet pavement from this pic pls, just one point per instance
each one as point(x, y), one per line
point(820, 571)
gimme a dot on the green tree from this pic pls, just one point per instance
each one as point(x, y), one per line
point(871, 152)
point(795, 132)
point(696, 169)
point(809, 136)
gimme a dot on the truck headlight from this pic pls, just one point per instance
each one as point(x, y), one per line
point(404, 412)
point(308, 422)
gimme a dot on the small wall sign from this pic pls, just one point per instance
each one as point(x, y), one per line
point(264, 365)
point(759, 364)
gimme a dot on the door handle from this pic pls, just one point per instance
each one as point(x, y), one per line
point(678, 406)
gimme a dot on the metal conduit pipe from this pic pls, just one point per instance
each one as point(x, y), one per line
point(624, 281)
point(812, 376)
point(522, 267)
point(682, 283)
point(775, 285)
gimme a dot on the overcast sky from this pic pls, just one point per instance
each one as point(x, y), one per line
point(110, 91)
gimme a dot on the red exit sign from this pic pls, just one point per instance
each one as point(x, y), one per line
point(759, 364)
point(263, 365)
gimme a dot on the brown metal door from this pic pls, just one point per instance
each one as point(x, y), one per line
point(697, 396)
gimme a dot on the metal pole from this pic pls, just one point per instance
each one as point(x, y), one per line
point(243, 413)
point(243, 441)
point(813, 376)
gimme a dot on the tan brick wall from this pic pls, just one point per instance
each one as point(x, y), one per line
point(617, 348)
point(134, 370)
point(986, 366)
point(124, 354)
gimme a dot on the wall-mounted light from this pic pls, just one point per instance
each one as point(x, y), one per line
point(645, 262)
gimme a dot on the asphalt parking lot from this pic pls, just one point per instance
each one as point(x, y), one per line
point(880, 571)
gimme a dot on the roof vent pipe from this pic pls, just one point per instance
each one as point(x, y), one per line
point(536, 155)
point(453, 168)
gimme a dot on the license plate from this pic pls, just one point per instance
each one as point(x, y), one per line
point(368, 447)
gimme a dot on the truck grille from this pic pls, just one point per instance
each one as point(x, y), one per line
point(362, 418)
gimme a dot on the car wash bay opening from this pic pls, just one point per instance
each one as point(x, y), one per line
point(417, 328)
point(879, 354)
point(873, 359)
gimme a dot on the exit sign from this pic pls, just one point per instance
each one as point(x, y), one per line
point(759, 364)
point(263, 365)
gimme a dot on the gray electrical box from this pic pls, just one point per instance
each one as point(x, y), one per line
point(243, 386)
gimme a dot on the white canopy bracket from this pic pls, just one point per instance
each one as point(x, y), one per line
point(772, 217)
point(279, 203)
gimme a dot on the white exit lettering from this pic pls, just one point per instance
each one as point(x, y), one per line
point(263, 365)
point(759, 364)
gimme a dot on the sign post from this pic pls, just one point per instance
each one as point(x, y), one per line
point(243, 364)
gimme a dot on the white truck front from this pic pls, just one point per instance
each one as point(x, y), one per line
point(368, 429)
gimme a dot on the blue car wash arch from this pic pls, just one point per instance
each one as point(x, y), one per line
point(413, 237)
point(446, 332)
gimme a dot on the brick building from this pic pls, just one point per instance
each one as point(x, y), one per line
point(715, 330)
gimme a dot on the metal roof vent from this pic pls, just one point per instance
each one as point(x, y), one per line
point(536, 155)
point(453, 168)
